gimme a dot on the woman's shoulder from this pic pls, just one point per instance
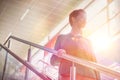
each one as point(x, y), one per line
point(63, 36)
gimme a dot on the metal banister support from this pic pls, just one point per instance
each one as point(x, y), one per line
point(28, 60)
point(73, 72)
point(6, 40)
point(28, 65)
point(6, 57)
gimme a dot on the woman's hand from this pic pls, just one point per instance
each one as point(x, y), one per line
point(61, 52)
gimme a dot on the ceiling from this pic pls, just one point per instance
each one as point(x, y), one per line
point(40, 17)
point(32, 20)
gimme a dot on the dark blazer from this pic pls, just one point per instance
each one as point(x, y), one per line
point(77, 46)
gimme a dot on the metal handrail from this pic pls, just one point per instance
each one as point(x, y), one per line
point(93, 65)
point(28, 65)
point(33, 44)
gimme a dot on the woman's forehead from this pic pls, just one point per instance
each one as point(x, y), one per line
point(81, 16)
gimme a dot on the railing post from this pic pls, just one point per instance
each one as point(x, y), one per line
point(6, 57)
point(73, 72)
point(28, 60)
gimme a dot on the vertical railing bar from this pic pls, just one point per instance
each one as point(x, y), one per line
point(6, 40)
point(28, 60)
point(73, 72)
point(5, 64)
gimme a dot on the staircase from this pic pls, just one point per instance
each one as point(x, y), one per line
point(15, 68)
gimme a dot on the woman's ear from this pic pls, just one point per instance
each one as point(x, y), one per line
point(73, 20)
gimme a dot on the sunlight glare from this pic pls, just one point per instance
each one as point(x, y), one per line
point(100, 42)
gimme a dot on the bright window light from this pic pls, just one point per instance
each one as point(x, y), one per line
point(100, 39)
point(95, 8)
point(101, 42)
point(114, 8)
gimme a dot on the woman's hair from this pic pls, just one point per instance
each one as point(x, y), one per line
point(75, 13)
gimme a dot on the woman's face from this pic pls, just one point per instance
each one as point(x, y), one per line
point(80, 20)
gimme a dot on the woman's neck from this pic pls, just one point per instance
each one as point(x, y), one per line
point(76, 32)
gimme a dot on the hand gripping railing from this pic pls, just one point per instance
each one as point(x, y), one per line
point(93, 65)
point(27, 64)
